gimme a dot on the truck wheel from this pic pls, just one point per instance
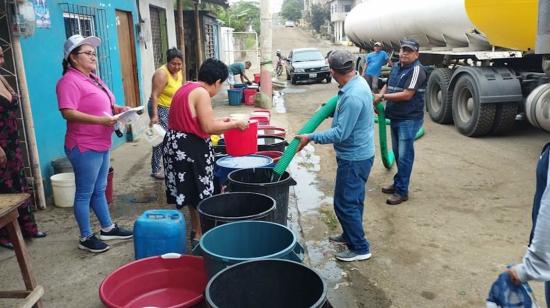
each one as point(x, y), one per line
point(438, 98)
point(292, 80)
point(505, 118)
point(471, 118)
point(328, 79)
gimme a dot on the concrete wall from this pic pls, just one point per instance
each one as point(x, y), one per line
point(43, 54)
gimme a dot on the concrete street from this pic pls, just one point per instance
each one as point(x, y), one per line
point(469, 214)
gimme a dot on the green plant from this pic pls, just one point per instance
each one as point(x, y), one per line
point(292, 9)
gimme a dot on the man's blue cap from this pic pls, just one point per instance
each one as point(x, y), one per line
point(410, 43)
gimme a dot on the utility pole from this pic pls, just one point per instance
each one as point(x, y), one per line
point(198, 31)
point(181, 31)
point(266, 61)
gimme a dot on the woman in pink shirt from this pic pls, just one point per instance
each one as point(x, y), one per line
point(188, 155)
point(88, 106)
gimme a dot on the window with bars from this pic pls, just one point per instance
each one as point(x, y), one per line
point(86, 21)
point(159, 34)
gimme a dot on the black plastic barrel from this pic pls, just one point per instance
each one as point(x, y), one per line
point(270, 283)
point(234, 206)
point(260, 180)
point(271, 143)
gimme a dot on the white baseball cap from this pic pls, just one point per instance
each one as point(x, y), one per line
point(78, 40)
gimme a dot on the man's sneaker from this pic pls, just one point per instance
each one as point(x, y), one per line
point(92, 244)
point(388, 189)
point(396, 199)
point(116, 233)
point(349, 256)
point(337, 239)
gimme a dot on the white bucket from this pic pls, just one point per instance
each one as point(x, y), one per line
point(155, 135)
point(63, 186)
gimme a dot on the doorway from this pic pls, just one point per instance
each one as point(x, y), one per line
point(128, 62)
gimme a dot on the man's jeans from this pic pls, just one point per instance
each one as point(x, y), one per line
point(349, 195)
point(402, 136)
point(90, 171)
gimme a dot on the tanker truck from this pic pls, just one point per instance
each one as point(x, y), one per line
point(488, 60)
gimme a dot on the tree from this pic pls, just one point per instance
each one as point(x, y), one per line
point(240, 15)
point(292, 9)
point(319, 15)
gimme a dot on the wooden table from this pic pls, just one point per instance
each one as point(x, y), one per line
point(8, 218)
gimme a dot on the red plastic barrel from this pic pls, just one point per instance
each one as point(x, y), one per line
point(109, 188)
point(249, 96)
point(156, 282)
point(242, 142)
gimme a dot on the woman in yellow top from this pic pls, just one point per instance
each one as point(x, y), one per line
point(166, 81)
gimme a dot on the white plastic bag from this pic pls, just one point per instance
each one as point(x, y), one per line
point(155, 135)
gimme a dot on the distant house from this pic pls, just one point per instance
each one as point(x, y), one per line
point(339, 9)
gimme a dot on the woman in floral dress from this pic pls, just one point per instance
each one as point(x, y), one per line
point(188, 155)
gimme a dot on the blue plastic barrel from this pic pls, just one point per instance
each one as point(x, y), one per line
point(241, 241)
point(235, 96)
point(157, 232)
point(226, 164)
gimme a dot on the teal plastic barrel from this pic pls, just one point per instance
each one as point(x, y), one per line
point(235, 96)
point(236, 242)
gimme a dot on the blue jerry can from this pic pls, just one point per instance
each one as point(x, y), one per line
point(157, 232)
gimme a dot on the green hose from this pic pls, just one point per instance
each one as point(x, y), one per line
point(388, 159)
point(324, 112)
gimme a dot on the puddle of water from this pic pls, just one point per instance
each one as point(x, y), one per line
point(304, 168)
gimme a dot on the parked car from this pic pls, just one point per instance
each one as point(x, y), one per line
point(289, 24)
point(307, 64)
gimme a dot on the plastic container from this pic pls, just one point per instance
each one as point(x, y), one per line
point(63, 186)
point(257, 78)
point(262, 119)
point(229, 207)
point(275, 155)
point(234, 96)
point(261, 113)
point(239, 116)
point(226, 164)
point(267, 284)
point(239, 86)
point(271, 143)
point(241, 241)
point(170, 280)
point(109, 188)
point(269, 130)
point(62, 165)
point(264, 181)
point(157, 232)
point(155, 135)
point(242, 142)
point(249, 96)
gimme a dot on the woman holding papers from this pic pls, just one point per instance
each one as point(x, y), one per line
point(88, 106)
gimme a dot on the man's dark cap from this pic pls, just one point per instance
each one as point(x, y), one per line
point(410, 43)
point(341, 61)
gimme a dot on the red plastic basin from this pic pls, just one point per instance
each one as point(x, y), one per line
point(156, 282)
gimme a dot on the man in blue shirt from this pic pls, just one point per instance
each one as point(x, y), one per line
point(404, 94)
point(352, 133)
point(373, 65)
point(238, 68)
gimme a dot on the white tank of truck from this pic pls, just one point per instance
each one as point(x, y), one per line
point(489, 61)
